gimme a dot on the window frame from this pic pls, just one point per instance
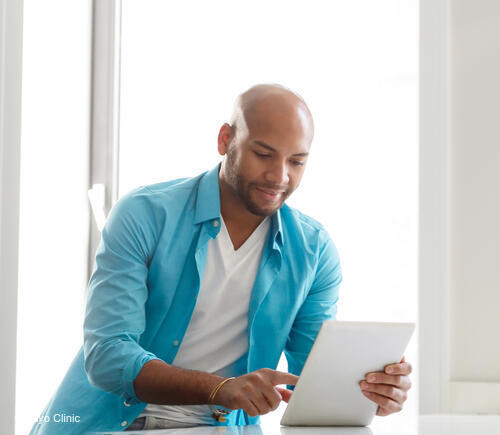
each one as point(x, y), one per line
point(105, 117)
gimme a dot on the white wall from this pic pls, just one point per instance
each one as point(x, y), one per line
point(11, 33)
point(475, 204)
point(460, 207)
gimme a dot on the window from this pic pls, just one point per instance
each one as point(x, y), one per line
point(53, 225)
point(355, 63)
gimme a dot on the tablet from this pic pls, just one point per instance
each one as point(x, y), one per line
point(328, 392)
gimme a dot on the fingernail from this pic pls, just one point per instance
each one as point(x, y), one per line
point(371, 378)
point(390, 370)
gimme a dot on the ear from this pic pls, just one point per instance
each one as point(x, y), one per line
point(224, 139)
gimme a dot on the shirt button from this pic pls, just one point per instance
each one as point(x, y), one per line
point(124, 423)
point(215, 224)
point(126, 404)
point(176, 343)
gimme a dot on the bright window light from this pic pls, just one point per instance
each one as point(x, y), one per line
point(54, 209)
point(354, 62)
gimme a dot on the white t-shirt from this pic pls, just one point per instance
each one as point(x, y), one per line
point(216, 339)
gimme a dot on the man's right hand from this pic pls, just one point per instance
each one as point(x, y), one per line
point(256, 392)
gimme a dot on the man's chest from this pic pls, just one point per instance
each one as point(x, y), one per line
point(176, 273)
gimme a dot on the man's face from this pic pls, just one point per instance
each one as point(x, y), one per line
point(265, 166)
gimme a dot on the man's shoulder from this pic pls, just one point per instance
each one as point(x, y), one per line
point(309, 239)
point(165, 190)
point(154, 202)
point(305, 234)
point(175, 186)
point(294, 217)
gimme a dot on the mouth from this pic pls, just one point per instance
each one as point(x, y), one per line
point(269, 194)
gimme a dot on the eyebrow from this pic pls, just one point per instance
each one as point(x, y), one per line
point(270, 148)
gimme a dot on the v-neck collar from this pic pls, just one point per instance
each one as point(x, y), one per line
point(248, 243)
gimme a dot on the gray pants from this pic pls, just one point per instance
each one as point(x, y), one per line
point(150, 422)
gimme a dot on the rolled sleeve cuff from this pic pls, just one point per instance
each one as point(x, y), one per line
point(130, 372)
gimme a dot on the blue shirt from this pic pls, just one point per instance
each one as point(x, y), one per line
point(143, 289)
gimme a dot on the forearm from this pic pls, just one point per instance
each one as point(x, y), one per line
point(161, 383)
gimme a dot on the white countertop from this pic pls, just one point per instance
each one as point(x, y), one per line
point(391, 425)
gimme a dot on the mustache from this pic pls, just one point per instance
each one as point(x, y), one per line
point(270, 186)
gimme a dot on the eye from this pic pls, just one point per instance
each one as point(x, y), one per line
point(262, 155)
point(297, 163)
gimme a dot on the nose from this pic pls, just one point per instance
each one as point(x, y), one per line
point(278, 173)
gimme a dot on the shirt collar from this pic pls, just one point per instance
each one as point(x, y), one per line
point(208, 204)
point(208, 197)
point(277, 229)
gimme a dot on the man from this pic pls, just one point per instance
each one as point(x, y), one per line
point(200, 284)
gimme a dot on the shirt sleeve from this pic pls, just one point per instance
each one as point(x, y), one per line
point(115, 313)
point(320, 305)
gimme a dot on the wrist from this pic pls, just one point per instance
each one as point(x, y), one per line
point(211, 383)
point(215, 393)
point(219, 414)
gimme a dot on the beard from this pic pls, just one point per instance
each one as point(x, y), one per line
point(242, 188)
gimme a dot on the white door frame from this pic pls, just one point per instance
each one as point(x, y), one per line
point(11, 48)
point(434, 207)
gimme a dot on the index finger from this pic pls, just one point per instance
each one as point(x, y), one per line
point(279, 378)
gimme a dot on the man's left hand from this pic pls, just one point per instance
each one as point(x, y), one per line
point(388, 389)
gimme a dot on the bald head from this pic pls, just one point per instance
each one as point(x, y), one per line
point(272, 107)
point(266, 149)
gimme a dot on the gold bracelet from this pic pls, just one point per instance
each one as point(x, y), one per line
point(218, 414)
